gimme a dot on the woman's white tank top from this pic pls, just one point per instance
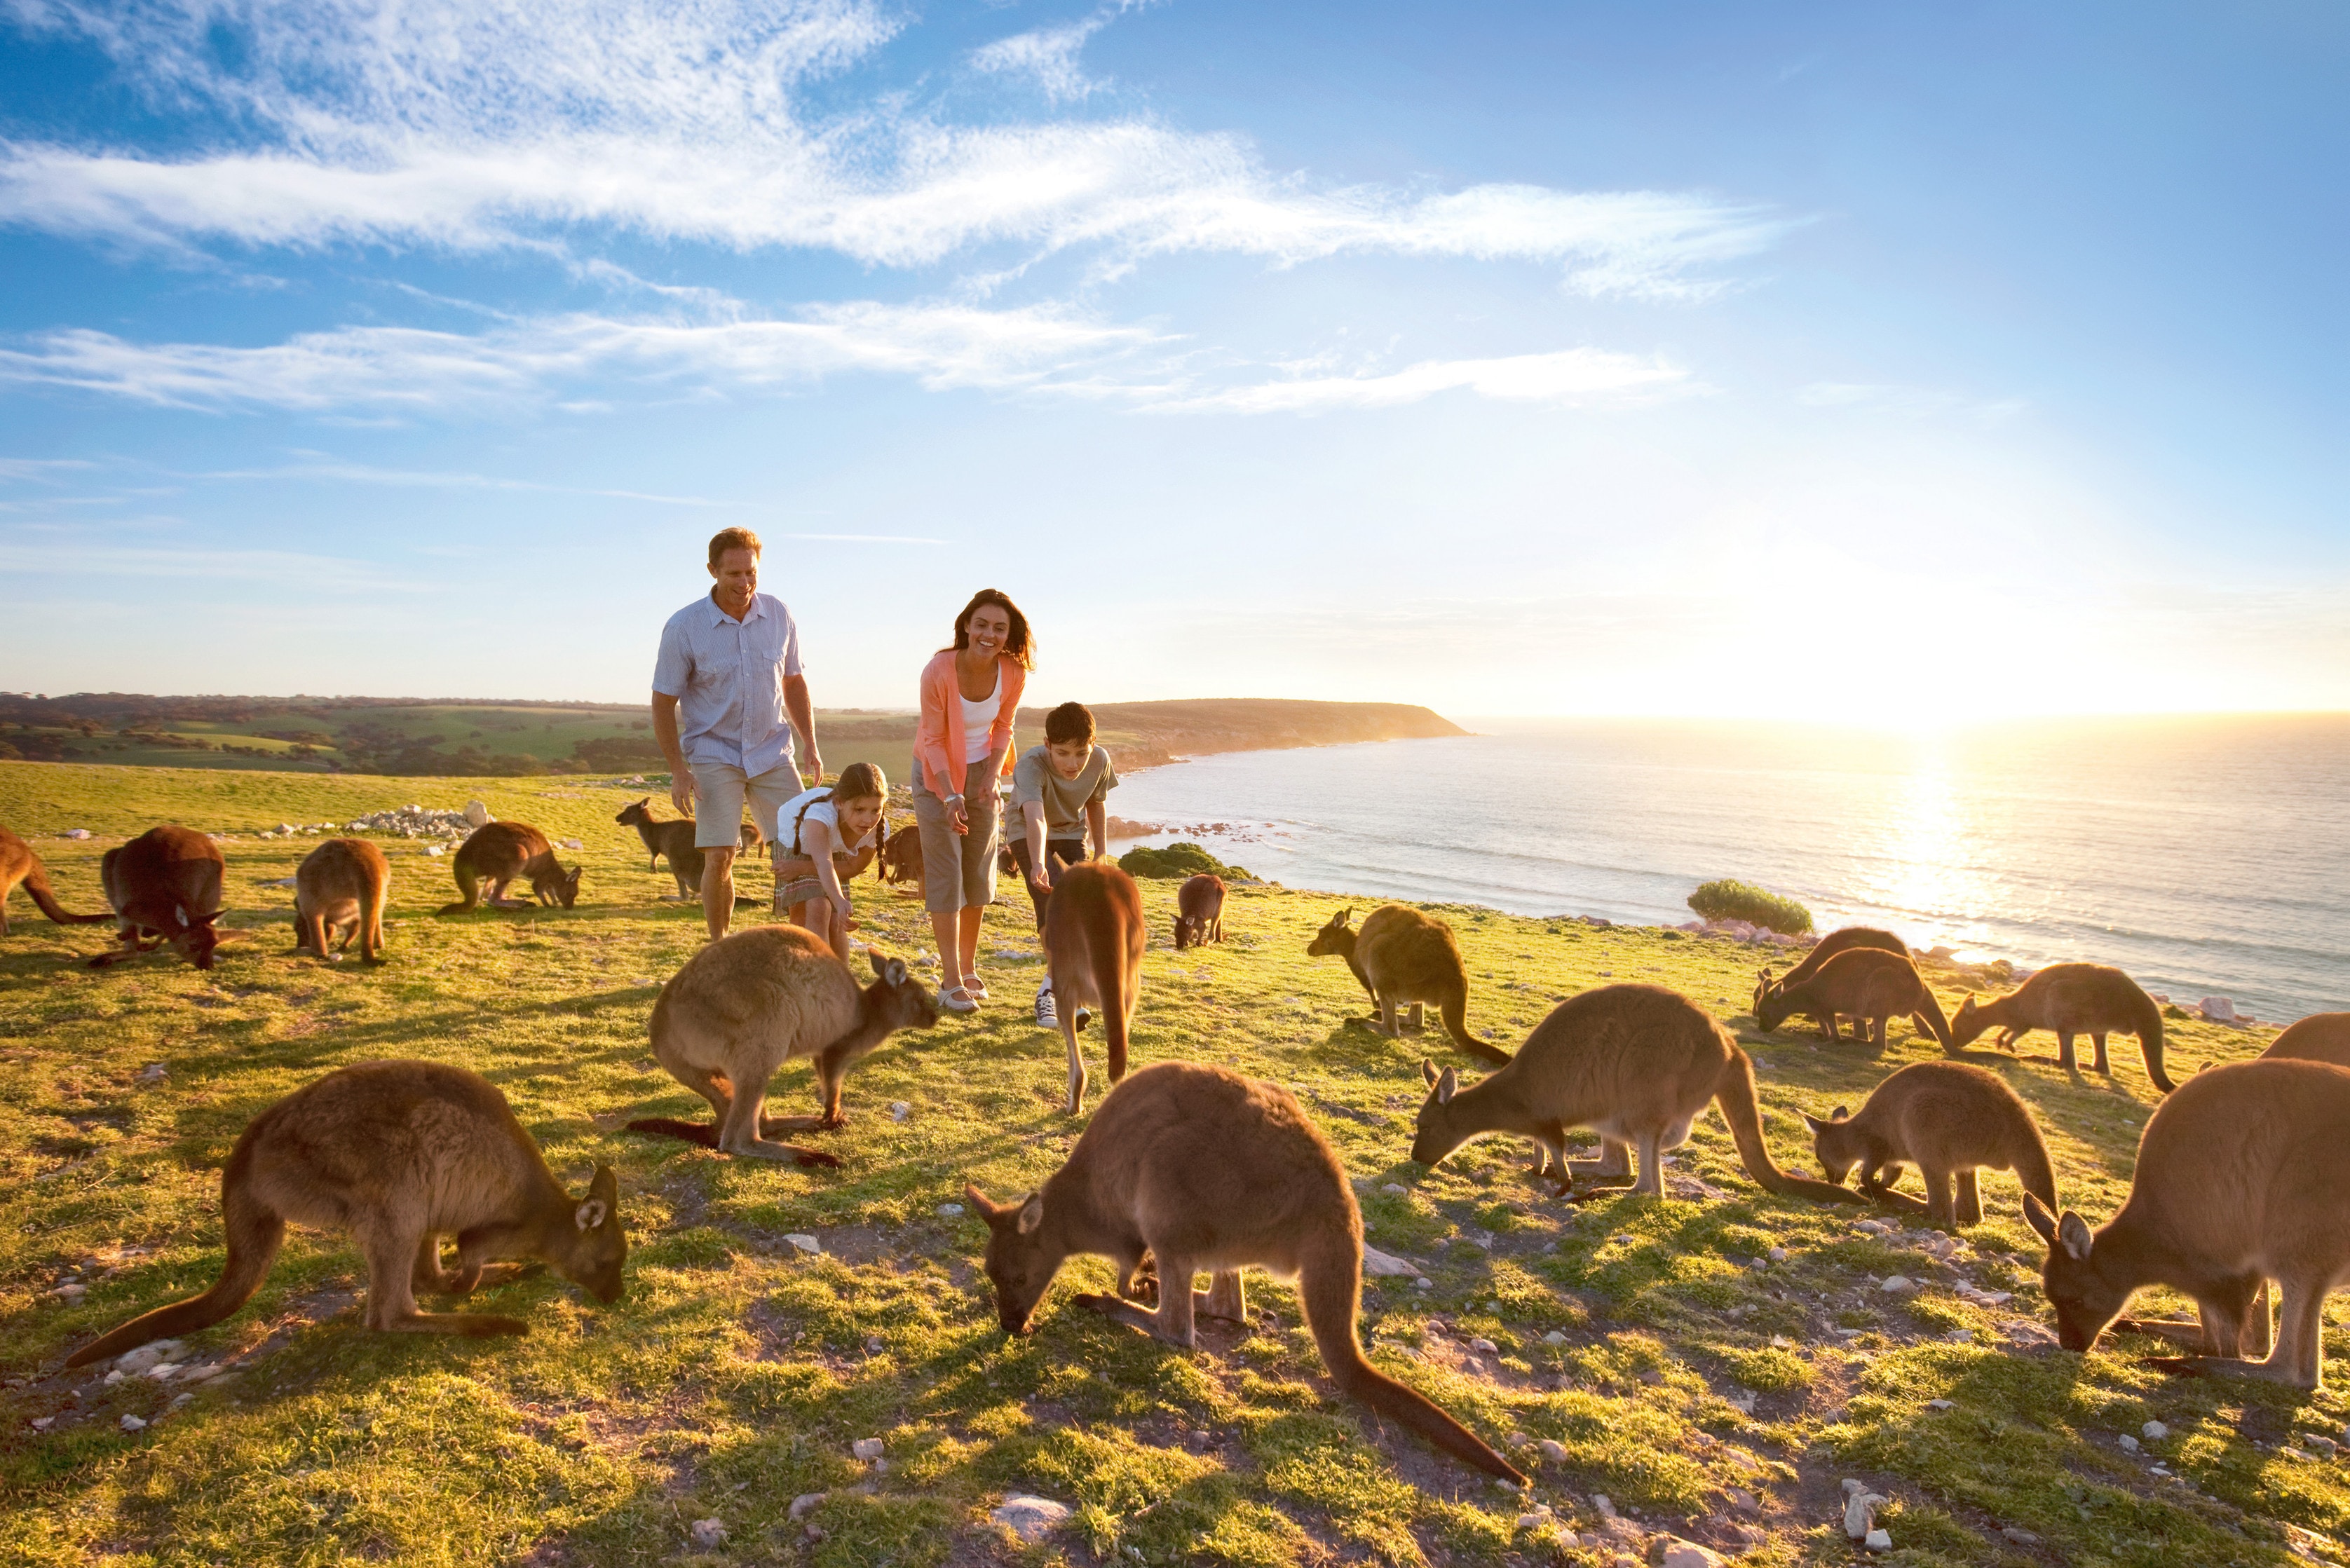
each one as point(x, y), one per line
point(979, 718)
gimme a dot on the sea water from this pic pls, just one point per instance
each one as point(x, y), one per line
point(2205, 857)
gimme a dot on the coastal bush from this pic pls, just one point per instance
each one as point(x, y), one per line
point(1732, 900)
point(1179, 860)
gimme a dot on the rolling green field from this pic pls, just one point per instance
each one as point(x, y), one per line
point(1705, 1389)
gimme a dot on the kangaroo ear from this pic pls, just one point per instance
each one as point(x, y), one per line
point(2036, 1215)
point(1032, 1212)
point(981, 1204)
point(2072, 1234)
point(1346, 914)
point(1814, 1123)
point(1840, 1115)
point(205, 919)
point(1448, 1085)
point(603, 1197)
point(1428, 1071)
point(894, 974)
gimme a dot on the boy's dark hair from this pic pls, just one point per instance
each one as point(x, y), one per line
point(1069, 722)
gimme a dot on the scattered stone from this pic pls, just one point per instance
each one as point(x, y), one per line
point(1939, 1404)
point(1680, 1553)
point(2023, 1331)
point(477, 815)
point(807, 1500)
point(1778, 1254)
point(1860, 1512)
point(899, 1110)
point(1897, 1284)
point(133, 1424)
point(1879, 1540)
point(806, 1242)
point(2326, 1446)
point(1602, 1506)
point(1781, 1341)
point(1484, 1347)
point(152, 1354)
point(1553, 1451)
point(1424, 1283)
point(2154, 1432)
point(1384, 1266)
point(951, 1210)
point(2129, 1444)
point(1741, 1398)
point(1873, 1227)
point(1744, 1503)
point(867, 1448)
point(42, 1423)
point(75, 833)
point(2019, 1536)
point(1398, 1188)
point(2216, 1010)
point(1536, 1517)
point(709, 1533)
point(1030, 1518)
point(1554, 1337)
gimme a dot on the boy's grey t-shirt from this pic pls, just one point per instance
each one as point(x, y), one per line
point(1064, 799)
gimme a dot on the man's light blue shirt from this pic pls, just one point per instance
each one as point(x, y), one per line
point(728, 678)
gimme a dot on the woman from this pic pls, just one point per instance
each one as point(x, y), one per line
point(963, 744)
point(823, 838)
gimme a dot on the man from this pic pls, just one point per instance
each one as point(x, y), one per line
point(727, 696)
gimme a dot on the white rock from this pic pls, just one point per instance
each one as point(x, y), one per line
point(1939, 1404)
point(152, 1354)
point(708, 1533)
point(1781, 1341)
point(164, 1372)
point(2129, 1444)
point(951, 1210)
point(1484, 1347)
point(867, 1448)
point(1398, 1188)
point(133, 1424)
point(804, 1242)
point(1873, 1227)
point(1554, 1337)
point(1553, 1451)
point(1897, 1284)
point(1536, 1518)
point(1386, 1267)
point(1879, 1540)
point(435, 850)
point(1030, 1518)
point(1680, 1553)
point(899, 1110)
point(477, 815)
point(153, 1073)
point(1853, 1486)
point(1860, 1512)
point(2154, 1432)
point(2216, 1010)
point(75, 833)
point(807, 1500)
point(1778, 1254)
point(573, 844)
point(2326, 1446)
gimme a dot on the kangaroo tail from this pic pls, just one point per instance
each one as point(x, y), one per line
point(36, 883)
point(1330, 1288)
point(468, 883)
point(1734, 1092)
point(1932, 1018)
point(702, 1133)
point(253, 1230)
point(1111, 976)
point(2146, 1023)
point(1455, 1009)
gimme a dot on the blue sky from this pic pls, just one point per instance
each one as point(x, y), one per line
point(1880, 362)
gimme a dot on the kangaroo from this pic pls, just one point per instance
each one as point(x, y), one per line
point(502, 851)
point(1828, 946)
point(340, 890)
point(2242, 1177)
point(1870, 985)
point(1948, 1120)
point(673, 838)
point(1403, 956)
point(18, 864)
point(2072, 998)
point(749, 1003)
point(1203, 1168)
point(400, 1154)
point(1637, 1064)
point(901, 857)
point(164, 885)
point(1093, 952)
point(1200, 911)
point(2319, 1037)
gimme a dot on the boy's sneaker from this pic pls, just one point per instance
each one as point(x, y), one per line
point(1046, 1017)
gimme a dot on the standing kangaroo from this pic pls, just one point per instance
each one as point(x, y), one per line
point(1834, 942)
point(673, 838)
point(1200, 911)
point(164, 885)
point(400, 1154)
point(502, 851)
point(749, 1003)
point(2242, 1177)
point(1638, 1065)
point(2071, 999)
point(1093, 952)
point(1870, 986)
point(1203, 1169)
point(1948, 1120)
point(340, 890)
point(18, 864)
point(1402, 956)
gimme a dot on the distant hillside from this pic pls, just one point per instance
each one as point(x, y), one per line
point(419, 737)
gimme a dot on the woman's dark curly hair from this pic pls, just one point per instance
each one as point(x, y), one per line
point(1020, 647)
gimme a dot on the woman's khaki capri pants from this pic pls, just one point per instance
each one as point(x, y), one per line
point(958, 873)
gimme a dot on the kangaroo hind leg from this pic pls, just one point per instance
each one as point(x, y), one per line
point(395, 1255)
point(1226, 1298)
point(1177, 1301)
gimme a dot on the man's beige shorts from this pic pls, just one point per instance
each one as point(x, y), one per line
point(720, 790)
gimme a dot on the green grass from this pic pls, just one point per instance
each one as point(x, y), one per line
point(736, 1373)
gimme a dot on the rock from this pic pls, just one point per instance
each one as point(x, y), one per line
point(2023, 1331)
point(1877, 1541)
point(1030, 1518)
point(1741, 1398)
point(75, 833)
point(1873, 1228)
point(807, 1500)
point(1744, 1503)
point(477, 815)
point(1860, 1512)
point(1602, 1506)
point(804, 1242)
point(899, 1110)
point(1398, 1188)
point(133, 1424)
point(153, 1073)
point(2019, 1536)
point(2154, 1432)
point(1939, 1404)
point(1553, 1451)
point(2129, 1444)
point(1778, 1254)
point(1554, 1337)
point(867, 1448)
point(1897, 1284)
point(1386, 1267)
point(1852, 1486)
point(1680, 1553)
point(1423, 1284)
point(435, 850)
point(2216, 1010)
point(153, 1354)
point(2326, 1446)
point(951, 1210)
point(1484, 1347)
point(708, 1533)
point(573, 844)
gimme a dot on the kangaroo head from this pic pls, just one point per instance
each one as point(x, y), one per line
point(906, 1002)
point(2084, 1301)
point(1187, 930)
point(1837, 1146)
point(1762, 990)
point(568, 887)
point(1335, 937)
point(1770, 1008)
point(595, 1247)
point(194, 938)
point(1433, 1137)
point(1019, 1264)
point(1968, 1021)
point(632, 815)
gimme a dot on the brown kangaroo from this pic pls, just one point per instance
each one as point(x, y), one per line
point(1948, 1120)
point(1200, 911)
point(2090, 998)
point(502, 851)
point(2244, 1176)
point(900, 857)
point(1834, 942)
point(749, 1003)
point(1637, 1064)
point(1403, 956)
point(2319, 1037)
point(19, 864)
point(400, 1154)
point(340, 891)
point(1203, 1169)
point(673, 838)
point(1094, 940)
point(1868, 985)
point(164, 885)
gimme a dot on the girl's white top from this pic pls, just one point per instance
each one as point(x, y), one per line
point(979, 718)
point(819, 808)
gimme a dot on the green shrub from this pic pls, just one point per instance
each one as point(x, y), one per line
point(1179, 860)
point(1730, 900)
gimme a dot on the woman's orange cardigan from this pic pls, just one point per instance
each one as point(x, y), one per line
point(939, 738)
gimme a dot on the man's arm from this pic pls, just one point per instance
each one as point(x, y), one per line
point(795, 703)
point(680, 777)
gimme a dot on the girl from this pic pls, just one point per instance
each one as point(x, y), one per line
point(816, 832)
point(962, 746)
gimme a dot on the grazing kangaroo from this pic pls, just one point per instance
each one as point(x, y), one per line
point(2242, 1177)
point(340, 890)
point(1200, 911)
point(502, 851)
point(1834, 942)
point(1948, 1120)
point(2071, 999)
point(164, 885)
point(2319, 1037)
point(18, 864)
point(749, 1003)
point(1093, 952)
point(1203, 1169)
point(1403, 956)
point(901, 857)
point(1637, 1064)
point(400, 1154)
point(1870, 986)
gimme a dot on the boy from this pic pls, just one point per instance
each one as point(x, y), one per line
point(1057, 802)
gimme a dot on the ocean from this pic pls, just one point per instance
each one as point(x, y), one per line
point(2207, 856)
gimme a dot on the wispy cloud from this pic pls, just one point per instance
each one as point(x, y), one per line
point(284, 568)
point(1572, 376)
point(48, 469)
point(1048, 56)
point(324, 468)
point(1908, 401)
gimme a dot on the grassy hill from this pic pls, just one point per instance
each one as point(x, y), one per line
point(1701, 1386)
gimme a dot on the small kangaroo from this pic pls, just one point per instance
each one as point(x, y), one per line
point(164, 885)
point(340, 891)
point(751, 1001)
point(1870, 985)
point(1637, 1064)
point(1403, 956)
point(1094, 940)
point(2071, 999)
point(901, 857)
point(1828, 946)
point(18, 864)
point(1203, 1169)
point(400, 1154)
point(1200, 911)
point(499, 852)
point(1948, 1120)
point(2242, 1177)
point(672, 838)
point(2319, 1037)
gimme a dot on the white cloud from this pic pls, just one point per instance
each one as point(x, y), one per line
point(98, 557)
point(43, 468)
point(318, 466)
point(1049, 55)
point(1574, 376)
